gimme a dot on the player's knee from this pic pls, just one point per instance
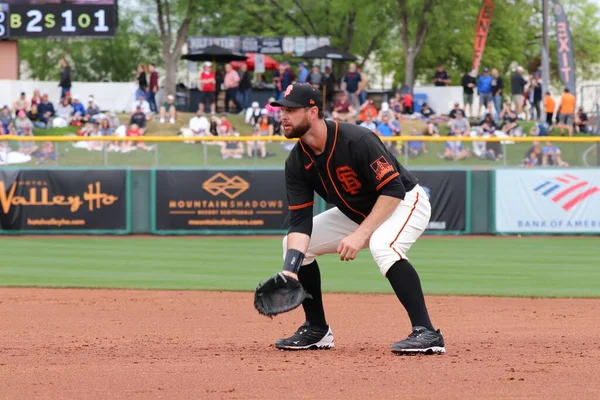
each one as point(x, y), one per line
point(384, 253)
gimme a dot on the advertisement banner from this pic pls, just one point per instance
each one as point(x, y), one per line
point(64, 201)
point(564, 48)
point(219, 202)
point(259, 44)
point(547, 201)
point(484, 20)
point(448, 193)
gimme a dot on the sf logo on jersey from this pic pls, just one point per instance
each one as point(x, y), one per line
point(349, 179)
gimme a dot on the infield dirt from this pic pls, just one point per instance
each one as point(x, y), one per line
point(125, 344)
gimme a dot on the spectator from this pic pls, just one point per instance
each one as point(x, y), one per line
point(316, 77)
point(539, 129)
point(363, 86)
point(497, 92)
point(94, 131)
point(494, 149)
point(45, 153)
point(64, 113)
point(535, 96)
point(21, 104)
point(426, 111)
point(168, 109)
point(230, 148)
point(350, 85)
point(566, 111)
point(329, 87)
point(416, 147)
point(368, 123)
point(488, 126)
point(272, 111)
point(303, 73)
point(34, 117)
point(207, 88)
point(46, 111)
point(282, 78)
point(552, 156)
point(138, 118)
point(254, 148)
point(199, 124)
point(385, 110)
point(454, 150)
point(224, 125)
point(389, 128)
point(264, 125)
point(367, 108)
point(142, 80)
point(484, 88)
point(78, 112)
point(431, 127)
point(343, 110)
point(26, 146)
point(92, 109)
point(454, 110)
point(231, 82)
point(136, 131)
point(441, 77)
point(534, 156)
point(509, 120)
point(36, 98)
point(460, 125)
point(23, 124)
point(105, 128)
point(407, 103)
point(253, 113)
point(245, 88)
point(114, 120)
point(144, 105)
point(581, 121)
point(65, 78)
point(550, 106)
point(152, 89)
point(468, 82)
point(517, 88)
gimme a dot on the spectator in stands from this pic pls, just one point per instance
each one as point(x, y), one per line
point(168, 109)
point(231, 83)
point(385, 111)
point(78, 112)
point(245, 88)
point(34, 117)
point(550, 106)
point(92, 109)
point(416, 147)
point(581, 121)
point(497, 92)
point(517, 88)
point(484, 89)
point(94, 131)
point(282, 78)
point(142, 80)
point(535, 96)
point(136, 131)
point(105, 128)
point(468, 82)
point(539, 129)
point(509, 119)
point(138, 118)
point(431, 127)
point(488, 126)
point(207, 87)
point(46, 111)
point(144, 105)
point(534, 156)
point(303, 73)
point(396, 106)
point(350, 85)
point(389, 128)
point(199, 124)
point(230, 148)
point(29, 146)
point(36, 98)
point(454, 150)
point(566, 111)
point(45, 154)
point(441, 77)
point(552, 156)
point(367, 108)
point(23, 124)
point(316, 77)
point(343, 110)
point(407, 103)
point(494, 149)
point(254, 148)
point(7, 121)
point(114, 120)
point(455, 109)
point(21, 104)
point(64, 112)
point(368, 122)
point(224, 124)
point(272, 111)
point(152, 88)
point(265, 125)
point(460, 125)
point(253, 113)
point(426, 111)
point(65, 78)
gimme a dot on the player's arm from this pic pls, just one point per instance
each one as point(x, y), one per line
point(300, 196)
point(378, 167)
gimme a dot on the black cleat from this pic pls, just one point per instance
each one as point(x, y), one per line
point(420, 341)
point(308, 338)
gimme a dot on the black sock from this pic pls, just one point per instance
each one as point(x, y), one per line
point(310, 278)
point(407, 285)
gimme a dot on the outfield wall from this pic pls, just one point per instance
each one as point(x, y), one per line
point(222, 201)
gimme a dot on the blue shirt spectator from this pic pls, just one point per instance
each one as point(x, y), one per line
point(78, 107)
point(302, 73)
point(388, 128)
point(484, 83)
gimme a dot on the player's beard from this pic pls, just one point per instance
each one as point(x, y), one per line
point(296, 132)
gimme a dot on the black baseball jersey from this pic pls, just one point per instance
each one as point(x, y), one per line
point(353, 170)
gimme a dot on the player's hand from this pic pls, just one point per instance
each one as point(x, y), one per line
point(290, 274)
point(351, 245)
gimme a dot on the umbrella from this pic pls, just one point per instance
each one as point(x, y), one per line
point(216, 54)
point(270, 63)
point(328, 53)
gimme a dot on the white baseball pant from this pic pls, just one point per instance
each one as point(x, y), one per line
point(388, 244)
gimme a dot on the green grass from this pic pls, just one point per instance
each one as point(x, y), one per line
point(199, 155)
point(537, 267)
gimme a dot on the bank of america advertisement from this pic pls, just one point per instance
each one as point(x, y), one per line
point(547, 201)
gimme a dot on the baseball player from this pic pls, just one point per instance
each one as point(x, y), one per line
point(379, 205)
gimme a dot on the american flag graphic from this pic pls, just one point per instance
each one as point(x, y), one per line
point(567, 190)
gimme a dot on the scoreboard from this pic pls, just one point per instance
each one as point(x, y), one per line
point(57, 18)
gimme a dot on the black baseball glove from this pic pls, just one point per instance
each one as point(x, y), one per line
point(279, 294)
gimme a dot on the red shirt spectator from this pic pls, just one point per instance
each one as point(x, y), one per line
point(207, 73)
point(134, 131)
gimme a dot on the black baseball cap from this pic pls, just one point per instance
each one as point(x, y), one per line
point(300, 95)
